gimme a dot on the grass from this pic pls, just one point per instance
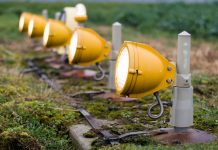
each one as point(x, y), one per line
point(150, 19)
point(33, 116)
point(30, 118)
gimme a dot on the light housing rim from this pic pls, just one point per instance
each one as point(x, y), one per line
point(56, 34)
point(82, 47)
point(135, 71)
point(25, 17)
point(37, 29)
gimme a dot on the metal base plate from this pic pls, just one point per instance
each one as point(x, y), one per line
point(112, 96)
point(189, 136)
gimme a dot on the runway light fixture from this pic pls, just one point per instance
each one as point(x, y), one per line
point(56, 34)
point(87, 47)
point(81, 15)
point(24, 20)
point(141, 70)
point(36, 26)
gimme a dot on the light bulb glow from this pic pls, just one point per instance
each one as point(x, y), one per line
point(73, 45)
point(21, 23)
point(46, 34)
point(122, 68)
point(30, 27)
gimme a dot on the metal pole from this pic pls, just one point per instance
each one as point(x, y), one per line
point(116, 43)
point(182, 109)
point(45, 13)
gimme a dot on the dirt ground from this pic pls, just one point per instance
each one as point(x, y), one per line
point(204, 55)
point(131, 115)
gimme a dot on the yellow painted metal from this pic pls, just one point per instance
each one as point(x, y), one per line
point(24, 21)
point(36, 26)
point(56, 34)
point(80, 15)
point(69, 21)
point(91, 48)
point(149, 71)
point(81, 18)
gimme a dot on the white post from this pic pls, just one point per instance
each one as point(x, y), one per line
point(116, 43)
point(45, 13)
point(57, 15)
point(182, 109)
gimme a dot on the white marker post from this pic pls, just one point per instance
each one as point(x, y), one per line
point(45, 13)
point(57, 15)
point(182, 109)
point(116, 43)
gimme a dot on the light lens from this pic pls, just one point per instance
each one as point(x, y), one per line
point(21, 23)
point(73, 45)
point(122, 68)
point(30, 27)
point(46, 34)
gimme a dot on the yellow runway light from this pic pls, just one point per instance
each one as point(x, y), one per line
point(56, 34)
point(81, 15)
point(36, 26)
point(24, 21)
point(141, 70)
point(87, 47)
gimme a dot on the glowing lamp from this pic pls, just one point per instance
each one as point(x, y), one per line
point(56, 34)
point(24, 21)
point(81, 15)
point(36, 26)
point(141, 70)
point(87, 47)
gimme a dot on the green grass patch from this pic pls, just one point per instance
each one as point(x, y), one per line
point(33, 115)
point(29, 116)
point(152, 19)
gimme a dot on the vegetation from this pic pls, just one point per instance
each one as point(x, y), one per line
point(153, 19)
point(29, 116)
point(33, 116)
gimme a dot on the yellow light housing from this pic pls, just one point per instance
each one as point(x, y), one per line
point(81, 15)
point(87, 47)
point(56, 34)
point(36, 26)
point(24, 21)
point(141, 70)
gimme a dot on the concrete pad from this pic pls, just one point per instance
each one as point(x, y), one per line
point(81, 142)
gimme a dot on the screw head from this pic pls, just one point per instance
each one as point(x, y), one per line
point(169, 68)
point(169, 80)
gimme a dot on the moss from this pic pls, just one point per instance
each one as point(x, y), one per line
point(97, 109)
point(27, 103)
point(89, 134)
point(3, 99)
point(44, 121)
point(32, 111)
point(14, 139)
point(139, 140)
